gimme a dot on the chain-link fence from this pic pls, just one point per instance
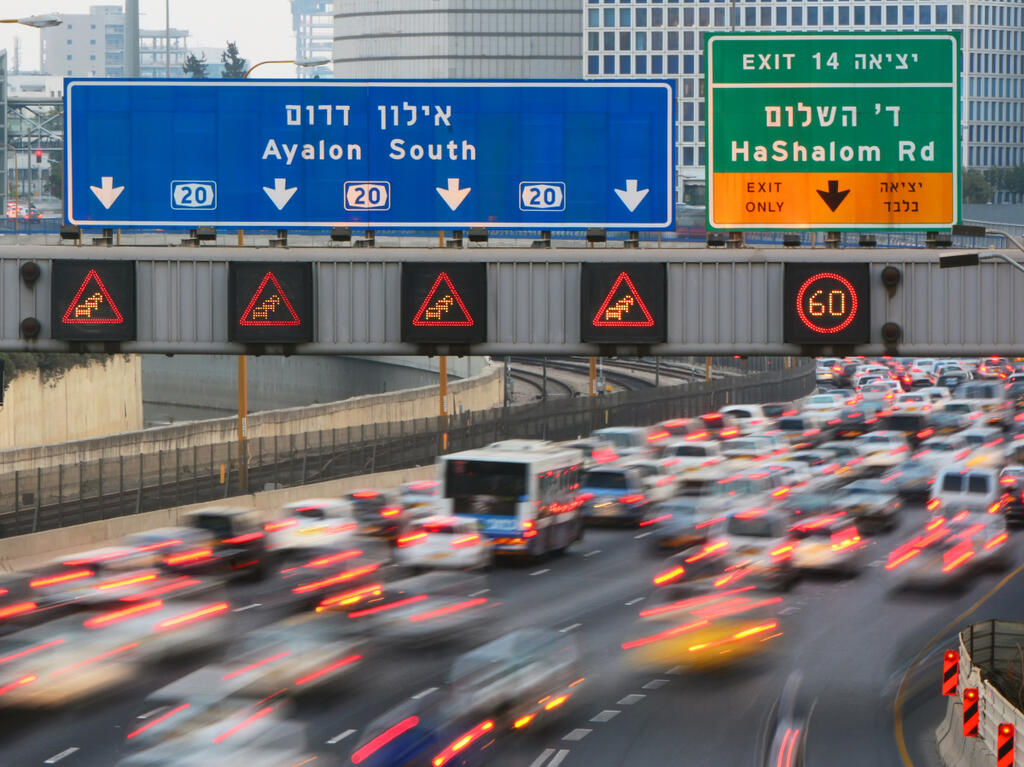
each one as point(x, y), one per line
point(58, 496)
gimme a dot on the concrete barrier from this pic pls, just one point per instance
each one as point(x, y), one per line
point(24, 552)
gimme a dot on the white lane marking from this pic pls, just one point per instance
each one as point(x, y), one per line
point(654, 684)
point(479, 593)
point(340, 737)
point(592, 553)
point(632, 602)
point(424, 693)
point(57, 757)
point(605, 716)
point(567, 629)
point(559, 757)
point(578, 734)
point(629, 700)
point(543, 757)
point(877, 563)
point(247, 607)
point(642, 535)
point(789, 610)
point(541, 572)
point(675, 670)
point(148, 714)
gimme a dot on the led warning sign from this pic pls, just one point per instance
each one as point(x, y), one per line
point(93, 300)
point(444, 303)
point(270, 302)
point(827, 304)
point(622, 303)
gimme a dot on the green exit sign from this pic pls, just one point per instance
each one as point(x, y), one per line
point(833, 131)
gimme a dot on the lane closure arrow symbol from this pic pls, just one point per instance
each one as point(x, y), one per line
point(107, 193)
point(453, 196)
point(280, 194)
point(833, 197)
point(631, 196)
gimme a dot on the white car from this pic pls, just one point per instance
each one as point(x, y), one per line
point(690, 455)
point(959, 487)
point(761, 546)
point(882, 449)
point(825, 405)
point(912, 402)
point(879, 391)
point(442, 542)
point(938, 395)
point(751, 419)
point(926, 365)
point(659, 476)
point(941, 451)
point(314, 523)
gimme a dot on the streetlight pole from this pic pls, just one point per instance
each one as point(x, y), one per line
point(167, 37)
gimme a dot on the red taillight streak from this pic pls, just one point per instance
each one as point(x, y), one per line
point(955, 563)
point(655, 520)
point(31, 650)
point(188, 556)
point(634, 498)
point(388, 606)
point(708, 549)
point(455, 747)
point(127, 612)
point(693, 601)
point(523, 721)
point(390, 512)
point(782, 491)
point(384, 738)
point(333, 559)
point(933, 504)
point(327, 669)
point(109, 654)
point(347, 575)
point(734, 606)
point(782, 551)
point(669, 575)
point(351, 597)
point(996, 541)
point(154, 722)
point(182, 583)
point(246, 538)
point(656, 436)
point(365, 494)
point(74, 575)
point(273, 527)
point(667, 634)
point(18, 683)
point(442, 611)
point(708, 523)
point(127, 582)
point(556, 702)
point(18, 609)
point(256, 665)
point(465, 541)
point(697, 435)
point(205, 612)
point(413, 539)
point(241, 725)
point(160, 545)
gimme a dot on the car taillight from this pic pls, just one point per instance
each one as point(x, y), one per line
point(669, 575)
point(465, 541)
point(783, 552)
point(933, 504)
point(413, 539)
point(634, 498)
point(284, 524)
point(390, 512)
point(246, 538)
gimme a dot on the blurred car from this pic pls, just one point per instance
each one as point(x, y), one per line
point(632, 440)
point(855, 420)
point(180, 550)
point(871, 503)
point(941, 450)
point(676, 524)
point(990, 397)
point(950, 551)
point(882, 450)
point(596, 452)
point(958, 487)
point(704, 630)
point(915, 378)
point(778, 409)
point(912, 480)
point(614, 493)
point(239, 538)
point(442, 541)
point(761, 543)
point(915, 427)
point(378, 513)
point(956, 415)
point(690, 454)
point(310, 524)
point(993, 368)
point(825, 405)
point(755, 447)
point(721, 426)
point(658, 475)
point(829, 543)
point(802, 430)
point(423, 496)
point(912, 402)
point(331, 578)
point(751, 419)
point(950, 378)
point(680, 427)
point(806, 503)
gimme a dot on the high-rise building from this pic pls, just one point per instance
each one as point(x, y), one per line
point(92, 45)
point(313, 22)
point(665, 39)
point(450, 39)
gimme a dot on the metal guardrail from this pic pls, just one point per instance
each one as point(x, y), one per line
point(60, 496)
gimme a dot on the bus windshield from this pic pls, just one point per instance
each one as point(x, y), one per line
point(464, 479)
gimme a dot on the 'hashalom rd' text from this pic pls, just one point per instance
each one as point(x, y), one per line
point(794, 151)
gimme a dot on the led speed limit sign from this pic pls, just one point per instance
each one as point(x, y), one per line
point(827, 304)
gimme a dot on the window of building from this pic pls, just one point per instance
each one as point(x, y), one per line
point(924, 14)
point(687, 133)
point(609, 65)
point(828, 16)
point(624, 44)
point(798, 16)
point(876, 15)
point(657, 65)
point(641, 65)
point(688, 41)
point(593, 18)
point(641, 41)
point(673, 17)
point(609, 17)
point(908, 14)
point(92, 57)
point(673, 65)
point(657, 41)
point(941, 14)
point(687, 111)
point(609, 41)
point(766, 16)
point(673, 41)
point(641, 17)
point(812, 16)
point(751, 17)
point(688, 64)
point(687, 153)
point(625, 65)
point(69, 57)
point(593, 41)
point(892, 14)
point(844, 16)
point(593, 65)
point(657, 17)
point(69, 41)
point(624, 17)
point(780, 17)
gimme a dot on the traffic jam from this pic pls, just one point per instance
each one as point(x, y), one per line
point(221, 636)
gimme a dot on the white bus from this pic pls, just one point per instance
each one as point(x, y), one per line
point(524, 494)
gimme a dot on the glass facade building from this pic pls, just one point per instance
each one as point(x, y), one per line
point(665, 39)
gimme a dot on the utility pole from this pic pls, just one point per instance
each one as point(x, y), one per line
point(131, 38)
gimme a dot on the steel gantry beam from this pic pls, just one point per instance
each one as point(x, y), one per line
point(517, 302)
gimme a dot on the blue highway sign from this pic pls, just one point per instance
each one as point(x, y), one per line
point(390, 154)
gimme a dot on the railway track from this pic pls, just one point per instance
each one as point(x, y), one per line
point(556, 388)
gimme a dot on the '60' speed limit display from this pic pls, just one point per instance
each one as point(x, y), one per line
point(827, 304)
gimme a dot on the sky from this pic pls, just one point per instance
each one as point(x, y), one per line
point(262, 28)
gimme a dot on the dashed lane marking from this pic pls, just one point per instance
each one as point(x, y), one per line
point(57, 757)
point(642, 535)
point(340, 737)
point(559, 757)
point(654, 684)
point(577, 734)
point(592, 553)
point(567, 629)
point(543, 757)
point(148, 714)
point(789, 610)
point(632, 602)
point(675, 670)
point(247, 607)
point(605, 716)
point(629, 700)
point(479, 593)
point(541, 572)
point(424, 693)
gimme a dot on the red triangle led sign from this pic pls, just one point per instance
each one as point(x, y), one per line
point(623, 307)
point(443, 307)
point(269, 306)
point(92, 304)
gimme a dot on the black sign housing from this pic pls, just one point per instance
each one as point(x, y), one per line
point(444, 303)
point(270, 302)
point(92, 300)
point(623, 303)
point(827, 303)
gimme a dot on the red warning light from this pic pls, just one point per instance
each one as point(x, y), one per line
point(92, 304)
point(269, 306)
point(627, 309)
point(443, 307)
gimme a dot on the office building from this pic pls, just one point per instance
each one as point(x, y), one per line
point(453, 39)
point(313, 23)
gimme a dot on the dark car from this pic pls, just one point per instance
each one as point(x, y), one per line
point(916, 427)
point(779, 409)
point(952, 378)
point(239, 539)
point(1015, 394)
point(855, 420)
point(675, 525)
point(378, 513)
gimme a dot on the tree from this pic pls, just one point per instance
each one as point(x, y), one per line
point(195, 67)
point(234, 66)
point(977, 188)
